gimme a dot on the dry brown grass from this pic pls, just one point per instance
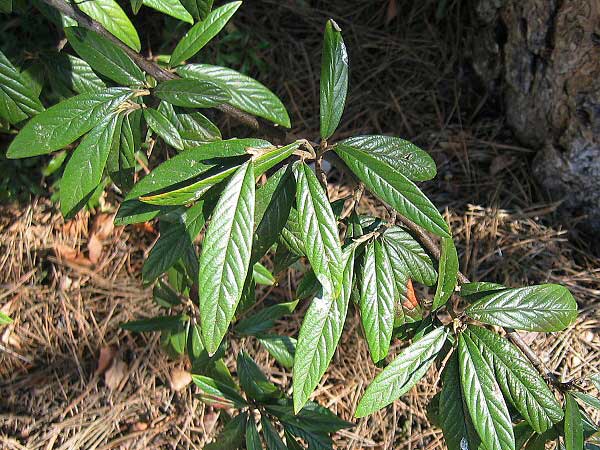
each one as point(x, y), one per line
point(408, 80)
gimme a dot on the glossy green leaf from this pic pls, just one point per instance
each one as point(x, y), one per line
point(520, 382)
point(448, 273)
point(165, 296)
point(155, 324)
point(308, 286)
point(84, 169)
point(402, 156)
point(377, 300)
point(406, 251)
point(18, 100)
point(546, 307)
point(334, 79)
point(174, 340)
point(312, 417)
point(225, 256)
point(319, 335)
point(573, 425)
point(232, 436)
point(395, 189)
point(112, 17)
point(271, 435)
point(165, 129)
point(402, 374)
point(252, 436)
point(282, 348)
point(216, 390)
point(201, 33)
point(199, 9)
point(483, 397)
point(5, 319)
point(477, 289)
point(6, 6)
point(194, 128)
point(318, 231)
point(173, 8)
point(455, 422)
point(262, 275)
point(47, 132)
point(121, 161)
point(74, 73)
point(182, 167)
point(247, 94)
point(104, 57)
point(274, 201)
point(136, 5)
point(192, 93)
point(253, 381)
point(590, 400)
point(264, 319)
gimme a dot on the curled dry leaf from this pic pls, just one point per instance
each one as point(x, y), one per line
point(180, 378)
point(114, 376)
point(107, 355)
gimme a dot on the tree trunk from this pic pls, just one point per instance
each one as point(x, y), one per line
point(544, 56)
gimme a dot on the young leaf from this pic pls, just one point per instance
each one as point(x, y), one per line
point(104, 57)
point(406, 251)
point(546, 307)
point(334, 79)
point(232, 435)
point(262, 275)
point(318, 231)
point(219, 390)
point(84, 169)
point(394, 188)
point(483, 398)
point(155, 324)
point(201, 33)
point(253, 381)
point(402, 156)
point(192, 93)
point(402, 374)
point(252, 436)
point(459, 433)
point(47, 132)
point(282, 348)
point(271, 435)
point(573, 424)
point(448, 272)
point(319, 335)
point(247, 94)
point(273, 204)
point(113, 19)
point(225, 256)
point(165, 129)
point(264, 319)
point(377, 297)
point(520, 382)
point(199, 9)
point(4, 319)
point(17, 100)
point(173, 8)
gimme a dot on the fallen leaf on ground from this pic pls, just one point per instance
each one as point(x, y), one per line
point(116, 373)
point(107, 354)
point(180, 379)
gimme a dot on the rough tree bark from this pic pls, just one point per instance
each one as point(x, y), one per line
point(544, 56)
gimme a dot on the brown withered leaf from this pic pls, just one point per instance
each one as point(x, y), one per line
point(107, 355)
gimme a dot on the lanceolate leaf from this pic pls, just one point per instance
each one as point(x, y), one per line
point(112, 18)
point(173, 8)
point(271, 435)
point(573, 424)
point(194, 128)
point(334, 79)
point(84, 169)
point(199, 9)
point(520, 382)
point(265, 318)
point(247, 94)
point(282, 348)
point(155, 324)
point(192, 93)
point(74, 73)
point(394, 188)
point(61, 124)
point(225, 256)
point(253, 381)
point(448, 272)
point(4, 319)
point(318, 230)
point(400, 155)
point(319, 335)
point(121, 159)
point(546, 307)
point(402, 374)
point(273, 204)
point(252, 436)
point(217, 389)
point(262, 275)
point(232, 436)
point(201, 33)
point(377, 296)
point(17, 100)
point(483, 398)
point(161, 126)
point(455, 422)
